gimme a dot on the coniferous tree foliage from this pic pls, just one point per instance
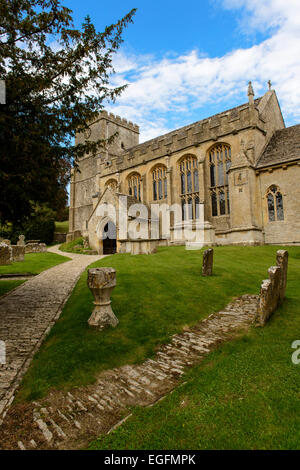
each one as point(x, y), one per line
point(57, 80)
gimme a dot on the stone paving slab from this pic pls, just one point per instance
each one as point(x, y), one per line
point(27, 315)
point(70, 420)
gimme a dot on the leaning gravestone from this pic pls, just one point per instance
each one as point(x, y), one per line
point(5, 254)
point(207, 265)
point(101, 282)
point(272, 291)
point(282, 259)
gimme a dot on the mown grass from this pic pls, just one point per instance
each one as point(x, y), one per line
point(34, 263)
point(156, 296)
point(7, 286)
point(62, 227)
point(76, 246)
point(245, 395)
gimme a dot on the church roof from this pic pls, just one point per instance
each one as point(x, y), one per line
point(284, 146)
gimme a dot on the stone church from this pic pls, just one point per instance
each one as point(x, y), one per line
point(241, 166)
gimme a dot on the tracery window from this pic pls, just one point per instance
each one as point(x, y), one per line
point(134, 186)
point(112, 184)
point(159, 182)
point(189, 183)
point(275, 204)
point(219, 164)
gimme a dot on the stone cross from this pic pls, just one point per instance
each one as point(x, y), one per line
point(207, 265)
point(101, 281)
point(21, 241)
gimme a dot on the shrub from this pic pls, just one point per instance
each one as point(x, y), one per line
point(41, 224)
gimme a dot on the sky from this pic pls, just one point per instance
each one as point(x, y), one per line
point(185, 61)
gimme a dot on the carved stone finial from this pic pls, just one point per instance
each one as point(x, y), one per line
point(270, 85)
point(250, 93)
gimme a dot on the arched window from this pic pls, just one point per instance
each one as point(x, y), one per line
point(189, 186)
point(134, 186)
point(112, 184)
point(275, 204)
point(219, 164)
point(159, 182)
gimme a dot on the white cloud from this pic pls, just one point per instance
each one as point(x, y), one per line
point(163, 92)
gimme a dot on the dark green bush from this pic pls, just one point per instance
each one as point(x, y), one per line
point(41, 224)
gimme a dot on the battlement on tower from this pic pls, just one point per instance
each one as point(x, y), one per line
point(115, 119)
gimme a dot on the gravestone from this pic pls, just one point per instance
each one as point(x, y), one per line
point(282, 259)
point(21, 241)
point(17, 252)
point(34, 247)
point(207, 264)
point(101, 281)
point(272, 291)
point(5, 254)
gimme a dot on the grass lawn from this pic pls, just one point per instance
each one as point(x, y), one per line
point(34, 263)
point(62, 226)
point(6, 286)
point(245, 395)
point(76, 246)
point(156, 296)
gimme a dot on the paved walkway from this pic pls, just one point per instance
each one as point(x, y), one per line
point(27, 315)
point(70, 420)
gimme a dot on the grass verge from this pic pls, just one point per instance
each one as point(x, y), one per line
point(62, 227)
point(156, 296)
point(6, 286)
point(245, 395)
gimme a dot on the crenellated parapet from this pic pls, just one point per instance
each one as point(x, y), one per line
point(211, 129)
point(115, 119)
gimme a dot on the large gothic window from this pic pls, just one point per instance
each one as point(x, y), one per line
point(134, 186)
point(275, 204)
point(159, 182)
point(219, 164)
point(189, 184)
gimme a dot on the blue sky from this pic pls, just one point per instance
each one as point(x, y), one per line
point(184, 61)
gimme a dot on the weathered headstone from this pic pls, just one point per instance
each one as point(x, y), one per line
point(17, 252)
point(207, 265)
point(101, 282)
point(282, 259)
point(5, 254)
point(86, 244)
point(21, 241)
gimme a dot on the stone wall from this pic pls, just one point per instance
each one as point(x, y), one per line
point(286, 178)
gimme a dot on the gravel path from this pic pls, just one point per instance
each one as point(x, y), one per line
point(27, 315)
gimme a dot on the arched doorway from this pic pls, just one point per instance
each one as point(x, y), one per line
point(109, 239)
